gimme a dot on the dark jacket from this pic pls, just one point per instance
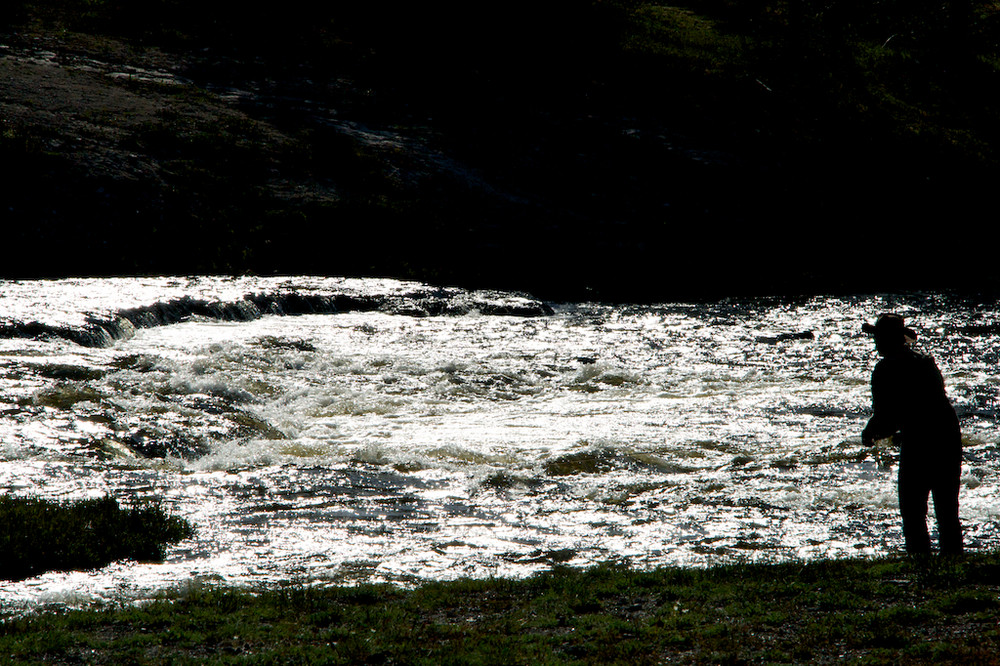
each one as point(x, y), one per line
point(908, 397)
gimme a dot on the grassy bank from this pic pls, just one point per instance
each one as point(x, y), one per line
point(41, 535)
point(620, 148)
point(860, 611)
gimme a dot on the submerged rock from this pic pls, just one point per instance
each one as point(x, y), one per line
point(786, 337)
point(149, 444)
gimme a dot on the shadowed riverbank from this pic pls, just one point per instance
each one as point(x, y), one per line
point(623, 151)
point(883, 611)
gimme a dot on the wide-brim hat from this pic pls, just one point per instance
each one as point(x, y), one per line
point(889, 326)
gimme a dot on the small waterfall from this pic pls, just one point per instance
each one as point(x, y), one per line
point(103, 329)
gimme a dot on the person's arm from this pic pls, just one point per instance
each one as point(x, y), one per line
point(884, 421)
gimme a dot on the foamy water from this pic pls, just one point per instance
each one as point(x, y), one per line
point(434, 434)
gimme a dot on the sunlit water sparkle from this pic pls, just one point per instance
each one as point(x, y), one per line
point(386, 445)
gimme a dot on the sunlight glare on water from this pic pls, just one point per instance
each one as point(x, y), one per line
point(387, 445)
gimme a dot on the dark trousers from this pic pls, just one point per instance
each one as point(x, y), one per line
point(920, 480)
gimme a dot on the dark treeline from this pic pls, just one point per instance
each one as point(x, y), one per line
point(607, 149)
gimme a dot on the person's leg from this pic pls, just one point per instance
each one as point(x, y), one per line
point(913, 494)
point(945, 492)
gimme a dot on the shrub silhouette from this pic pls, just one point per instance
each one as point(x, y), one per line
point(41, 535)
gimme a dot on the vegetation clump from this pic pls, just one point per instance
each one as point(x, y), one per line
point(41, 535)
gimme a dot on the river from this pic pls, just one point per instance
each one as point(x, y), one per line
point(337, 431)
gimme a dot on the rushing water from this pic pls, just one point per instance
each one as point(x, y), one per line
point(339, 431)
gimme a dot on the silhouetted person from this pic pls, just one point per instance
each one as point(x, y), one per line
point(909, 404)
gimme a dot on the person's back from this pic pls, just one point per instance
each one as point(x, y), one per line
point(908, 396)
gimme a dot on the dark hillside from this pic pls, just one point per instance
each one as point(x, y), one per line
point(575, 149)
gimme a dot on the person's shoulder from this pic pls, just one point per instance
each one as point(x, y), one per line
point(901, 359)
point(882, 366)
point(921, 362)
point(920, 355)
